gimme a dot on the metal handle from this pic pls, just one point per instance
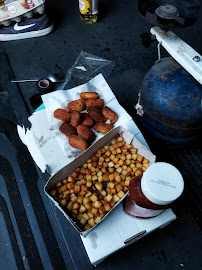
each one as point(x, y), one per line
point(25, 80)
point(185, 55)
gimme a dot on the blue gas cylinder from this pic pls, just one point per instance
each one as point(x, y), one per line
point(172, 103)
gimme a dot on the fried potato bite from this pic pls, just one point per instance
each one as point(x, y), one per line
point(109, 114)
point(95, 102)
point(102, 127)
point(77, 105)
point(63, 115)
point(67, 129)
point(96, 114)
point(87, 120)
point(77, 142)
point(86, 133)
point(89, 95)
point(75, 118)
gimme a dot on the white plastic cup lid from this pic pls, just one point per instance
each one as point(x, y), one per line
point(162, 183)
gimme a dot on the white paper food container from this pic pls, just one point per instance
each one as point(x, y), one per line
point(79, 161)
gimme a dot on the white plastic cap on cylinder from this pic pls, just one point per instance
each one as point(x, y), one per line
point(162, 183)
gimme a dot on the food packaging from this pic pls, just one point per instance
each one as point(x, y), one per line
point(47, 145)
point(12, 9)
point(68, 169)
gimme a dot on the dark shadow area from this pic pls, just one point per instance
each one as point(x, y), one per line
point(106, 8)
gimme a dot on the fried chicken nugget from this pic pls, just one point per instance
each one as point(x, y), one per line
point(86, 133)
point(77, 142)
point(67, 129)
point(102, 127)
point(87, 120)
point(63, 115)
point(77, 105)
point(75, 118)
point(96, 114)
point(95, 102)
point(109, 114)
point(89, 95)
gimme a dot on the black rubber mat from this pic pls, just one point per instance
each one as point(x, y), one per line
point(11, 233)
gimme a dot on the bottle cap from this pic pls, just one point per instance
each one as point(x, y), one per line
point(162, 183)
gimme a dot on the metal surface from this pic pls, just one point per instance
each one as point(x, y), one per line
point(159, 52)
point(166, 11)
point(197, 58)
point(170, 13)
point(24, 80)
point(180, 51)
point(55, 78)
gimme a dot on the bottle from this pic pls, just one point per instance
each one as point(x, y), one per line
point(88, 11)
point(154, 190)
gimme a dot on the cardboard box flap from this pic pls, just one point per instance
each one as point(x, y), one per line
point(142, 150)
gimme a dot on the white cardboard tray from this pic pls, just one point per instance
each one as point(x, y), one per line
point(78, 162)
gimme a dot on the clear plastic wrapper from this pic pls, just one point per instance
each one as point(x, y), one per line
point(86, 67)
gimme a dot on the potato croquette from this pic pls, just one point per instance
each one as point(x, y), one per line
point(109, 114)
point(77, 105)
point(86, 133)
point(95, 102)
point(96, 114)
point(67, 129)
point(102, 127)
point(77, 142)
point(75, 118)
point(63, 115)
point(87, 120)
point(89, 95)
